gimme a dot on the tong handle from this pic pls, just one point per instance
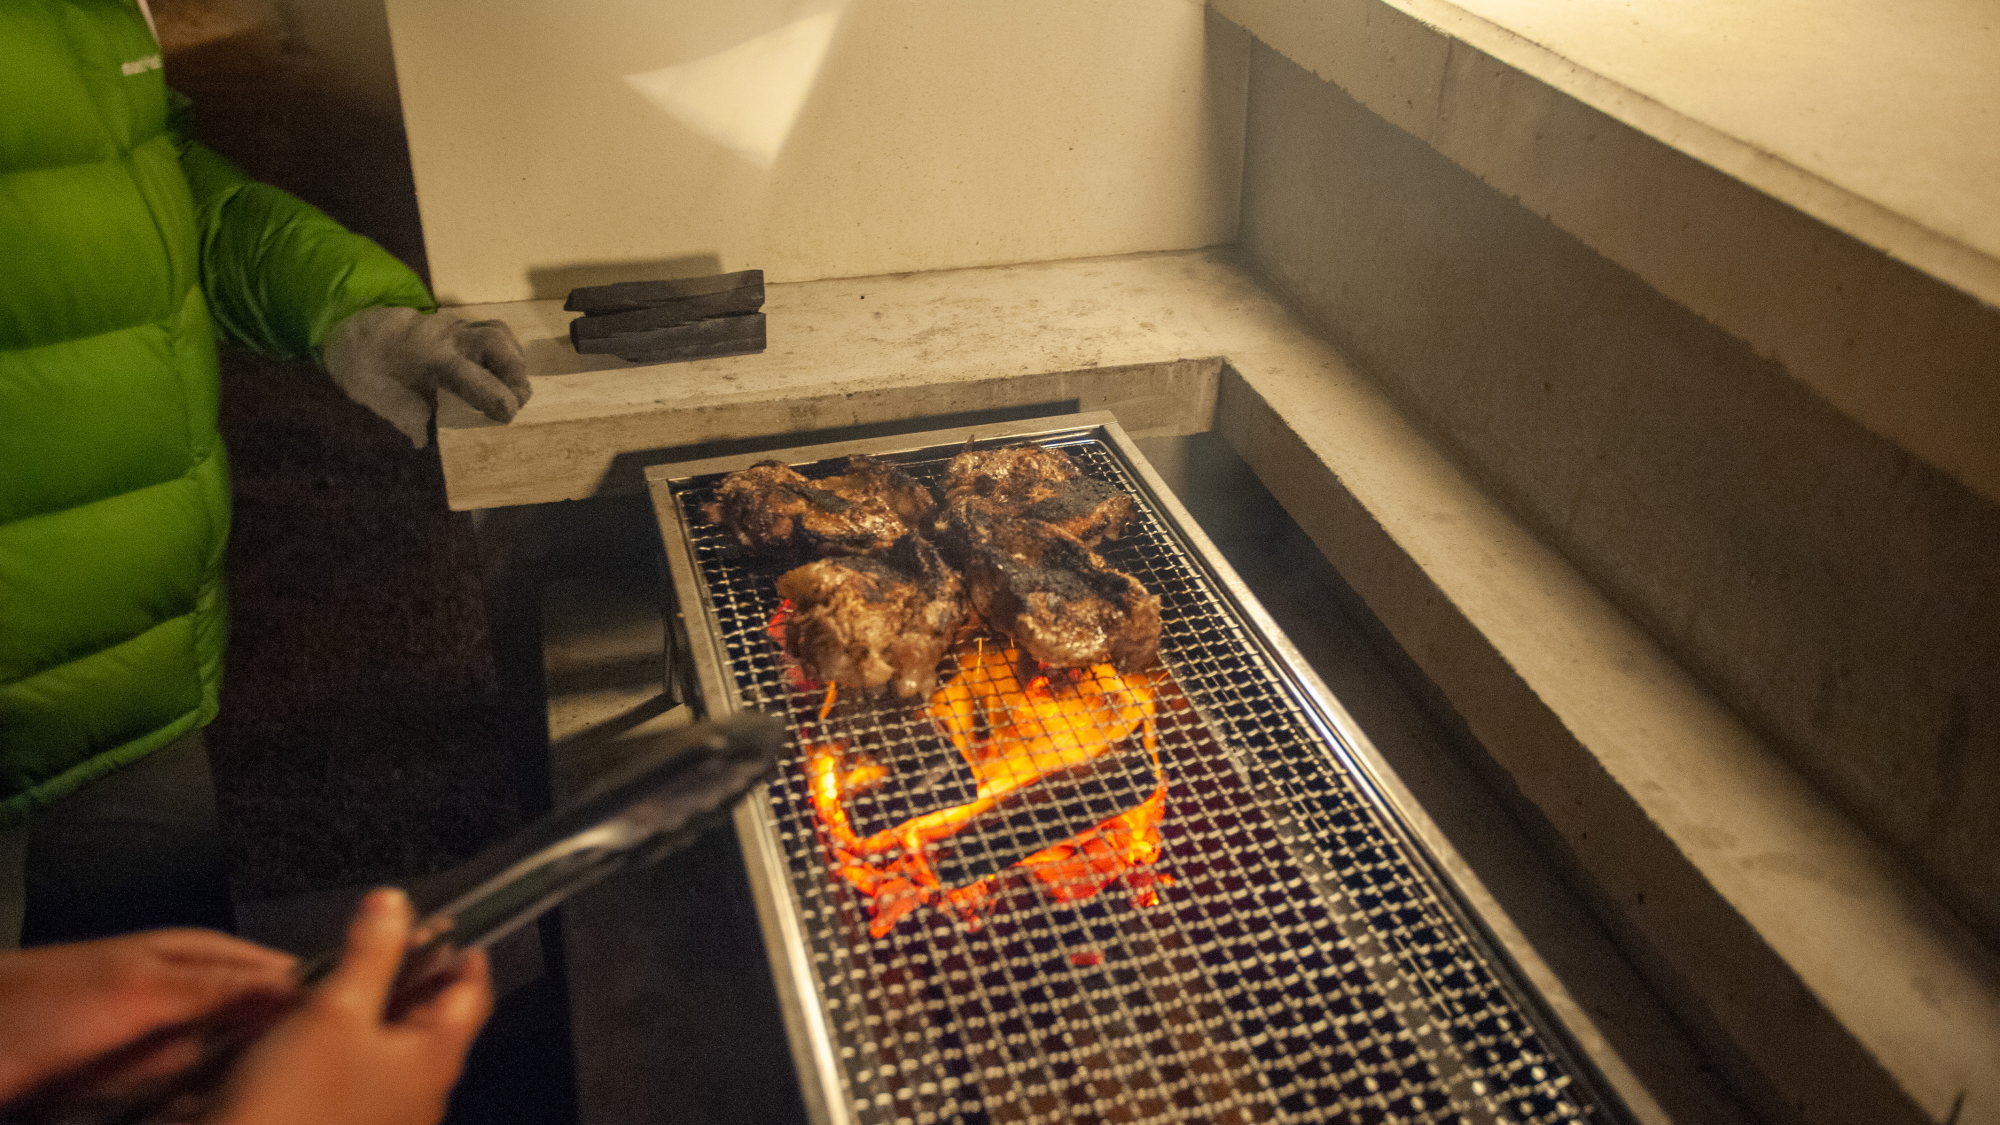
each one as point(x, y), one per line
point(657, 804)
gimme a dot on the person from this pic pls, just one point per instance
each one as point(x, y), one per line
point(333, 1057)
point(127, 249)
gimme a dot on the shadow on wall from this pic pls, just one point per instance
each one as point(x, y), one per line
point(551, 282)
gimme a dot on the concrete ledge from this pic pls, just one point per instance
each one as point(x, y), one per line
point(1871, 274)
point(1829, 586)
point(1841, 989)
point(1136, 334)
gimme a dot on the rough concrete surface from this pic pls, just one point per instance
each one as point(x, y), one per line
point(1820, 975)
point(1886, 303)
point(1136, 334)
point(1836, 589)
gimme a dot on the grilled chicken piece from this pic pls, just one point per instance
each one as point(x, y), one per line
point(1021, 474)
point(771, 507)
point(1057, 598)
point(870, 623)
point(1030, 482)
point(1089, 511)
point(867, 477)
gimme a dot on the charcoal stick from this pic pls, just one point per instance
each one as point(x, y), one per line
point(711, 330)
point(624, 296)
point(686, 310)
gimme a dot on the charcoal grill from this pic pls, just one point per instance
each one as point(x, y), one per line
point(1308, 961)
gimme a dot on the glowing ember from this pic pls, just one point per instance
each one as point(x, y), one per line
point(791, 669)
point(1012, 734)
point(1086, 863)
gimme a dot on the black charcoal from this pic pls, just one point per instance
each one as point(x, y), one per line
point(626, 295)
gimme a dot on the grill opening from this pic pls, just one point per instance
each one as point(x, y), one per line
point(1296, 960)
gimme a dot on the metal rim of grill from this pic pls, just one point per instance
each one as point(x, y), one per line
point(1308, 962)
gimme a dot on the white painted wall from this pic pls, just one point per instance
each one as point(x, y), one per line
point(558, 144)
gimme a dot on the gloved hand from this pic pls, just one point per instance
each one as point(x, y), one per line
point(394, 360)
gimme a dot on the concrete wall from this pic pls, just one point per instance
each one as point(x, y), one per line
point(561, 144)
point(1837, 590)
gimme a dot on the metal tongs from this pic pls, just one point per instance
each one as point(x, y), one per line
point(653, 806)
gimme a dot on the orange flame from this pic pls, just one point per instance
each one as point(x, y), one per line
point(1011, 734)
point(791, 669)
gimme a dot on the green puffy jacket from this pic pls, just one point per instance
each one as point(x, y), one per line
point(124, 245)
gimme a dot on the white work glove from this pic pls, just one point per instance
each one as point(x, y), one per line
point(394, 360)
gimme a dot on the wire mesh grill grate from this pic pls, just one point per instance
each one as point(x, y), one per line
point(1301, 966)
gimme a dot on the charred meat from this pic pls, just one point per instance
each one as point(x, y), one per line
point(1030, 482)
point(1024, 519)
point(771, 507)
point(1057, 598)
point(873, 622)
point(1089, 511)
point(1019, 474)
point(880, 611)
point(868, 478)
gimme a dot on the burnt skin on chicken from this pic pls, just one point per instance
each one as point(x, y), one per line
point(1057, 598)
point(1030, 482)
point(869, 623)
point(1089, 511)
point(866, 477)
point(1020, 474)
point(772, 507)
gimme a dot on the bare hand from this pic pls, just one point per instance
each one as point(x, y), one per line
point(63, 1005)
point(336, 1059)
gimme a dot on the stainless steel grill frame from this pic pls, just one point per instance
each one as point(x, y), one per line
point(1310, 963)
